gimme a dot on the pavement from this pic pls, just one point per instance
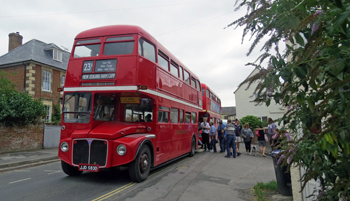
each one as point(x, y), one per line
point(210, 176)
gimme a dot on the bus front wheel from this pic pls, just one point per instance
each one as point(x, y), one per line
point(70, 170)
point(140, 167)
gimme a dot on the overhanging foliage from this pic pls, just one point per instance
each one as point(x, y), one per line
point(311, 78)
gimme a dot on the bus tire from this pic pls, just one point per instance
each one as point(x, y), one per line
point(139, 168)
point(70, 170)
point(193, 147)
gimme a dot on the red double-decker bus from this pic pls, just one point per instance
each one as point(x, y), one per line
point(127, 102)
point(211, 105)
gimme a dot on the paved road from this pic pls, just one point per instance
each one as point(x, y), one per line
point(206, 176)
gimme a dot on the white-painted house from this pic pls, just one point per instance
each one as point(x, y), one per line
point(245, 105)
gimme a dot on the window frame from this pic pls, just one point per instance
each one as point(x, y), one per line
point(164, 59)
point(190, 115)
point(188, 77)
point(193, 82)
point(142, 53)
point(181, 73)
point(47, 80)
point(57, 55)
point(173, 68)
point(164, 110)
point(171, 115)
point(193, 118)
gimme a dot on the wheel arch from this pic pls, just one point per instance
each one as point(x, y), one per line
point(148, 143)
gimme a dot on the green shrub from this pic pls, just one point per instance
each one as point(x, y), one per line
point(56, 116)
point(19, 109)
point(253, 121)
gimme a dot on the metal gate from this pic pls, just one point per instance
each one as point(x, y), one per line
point(52, 136)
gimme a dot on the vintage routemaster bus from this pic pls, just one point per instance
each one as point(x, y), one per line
point(211, 105)
point(127, 102)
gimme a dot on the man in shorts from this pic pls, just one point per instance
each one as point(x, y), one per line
point(238, 129)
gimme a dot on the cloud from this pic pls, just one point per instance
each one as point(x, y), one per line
point(193, 30)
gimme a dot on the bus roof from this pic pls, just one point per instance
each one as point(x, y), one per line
point(204, 86)
point(111, 30)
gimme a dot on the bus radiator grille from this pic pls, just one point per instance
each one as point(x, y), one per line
point(98, 153)
point(97, 150)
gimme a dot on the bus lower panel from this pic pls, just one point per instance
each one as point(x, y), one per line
point(96, 152)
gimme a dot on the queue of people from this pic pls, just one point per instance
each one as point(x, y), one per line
point(230, 135)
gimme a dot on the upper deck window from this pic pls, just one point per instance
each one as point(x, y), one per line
point(208, 93)
point(147, 50)
point(120, 38)
point(181, 73)
point(163, 62)
point(198, 86)
point(193, 82)
point(187, 77)
point(87, 50)
point(174, 70)
point(88, 41)
point(118, 48)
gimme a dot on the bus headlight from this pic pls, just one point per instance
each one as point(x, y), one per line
point(121, 150)
point(64, 146)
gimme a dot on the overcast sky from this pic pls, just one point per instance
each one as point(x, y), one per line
point(193, 30)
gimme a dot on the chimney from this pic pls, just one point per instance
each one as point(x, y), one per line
point(15, 40)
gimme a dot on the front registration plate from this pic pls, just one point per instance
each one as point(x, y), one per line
point(89, 167)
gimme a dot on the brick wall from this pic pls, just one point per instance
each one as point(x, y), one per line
point(16, 76)
point(21, 138)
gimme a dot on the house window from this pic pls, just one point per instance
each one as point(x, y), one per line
point(263, 119)
point(46, 80)
point(48, 113)
point(63, 79)
point(57, 55)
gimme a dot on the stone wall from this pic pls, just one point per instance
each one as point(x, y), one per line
point(21, 138)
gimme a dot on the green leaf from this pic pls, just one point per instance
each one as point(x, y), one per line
point(299, 39)
point(328, 138)
point(336, 66)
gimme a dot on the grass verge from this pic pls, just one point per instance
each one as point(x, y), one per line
point(261, 188)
